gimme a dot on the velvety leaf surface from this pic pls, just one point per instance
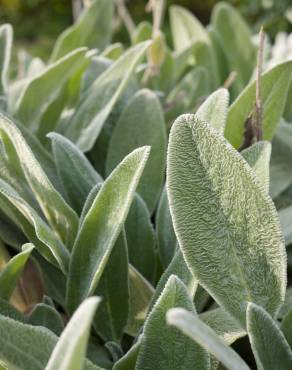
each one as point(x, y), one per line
point(44, 88)
point(226, 225)
point(102, 225)
point(164, 347)
point(275, 85)
point(236, 42)
point(258, 157)
point(75, 171)
point(92, 29)
point(166, 238)
point(141, 292)
point(286, 327)
point(194, 328)
point(6, 35)
point(141, 239)
point(113, 287)
point(47, 316)
point(214, 109)
point(12, 271)
point(128, 361)
point(58, 213)
point(69, 352)
point(268, 343)
point(101, 97)
point(142, 123)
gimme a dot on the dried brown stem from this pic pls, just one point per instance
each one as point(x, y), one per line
point(125, 16)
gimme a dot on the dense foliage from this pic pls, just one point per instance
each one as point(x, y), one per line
point(145, 198)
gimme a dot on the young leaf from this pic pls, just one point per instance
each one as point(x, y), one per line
point(44, 88)
point(161, 345)
point(214, 109)
point(101, 227)
point(75, 171)
point(141, 123)
point(178, 268)
point(69, 352)
point(101, 97)
point(213, 195)
point(268, 343)
point(185, 28)
point(286, 327)
point(193, 327)
point(258, 157)
point(113, 287)
point(275, 84)
point(11, 272)
point(128, 361)
point(141, 292)
point(230, 28)
point(46, 316)
point(6, 35)
point(92, 29)
point(59, 215)
point(141, 239)
point(165, 234)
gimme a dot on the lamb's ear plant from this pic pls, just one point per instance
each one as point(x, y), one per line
point(120, 247)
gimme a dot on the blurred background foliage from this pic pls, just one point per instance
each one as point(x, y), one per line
point(37, 23)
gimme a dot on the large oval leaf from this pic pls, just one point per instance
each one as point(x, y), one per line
point(226, 225)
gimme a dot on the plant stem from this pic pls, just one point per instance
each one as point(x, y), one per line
point(125, 16)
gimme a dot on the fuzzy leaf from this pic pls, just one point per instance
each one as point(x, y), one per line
point(100, 98)
point(214, 109)
point(45, 315)
point(112, 315)
point(24, 346)
point(92, 29)
point(69, 352)
point(59, 215)
point(128, 361)
point(193, 327)
point(236, 42)
point(165, 234)
point(268, 343)
point(275, 85)
point(6, 35)
point(185, 28)
point(161, 345)
point(214, 195)
point(141, 292)
point(286, 327)
point(101, 227)
point(141, 239)
point(44, 88)
point(141, 123)
point(285, 217)
point(75, 171)
point(258, 157)
point(11, 272)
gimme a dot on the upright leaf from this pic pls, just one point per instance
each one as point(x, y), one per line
point(59, 215)
point(75, 171)
point(268, 343)
point(6, 34)
point(142, 123)
point(214, 109)
point(141, 239)
point(236, 42)
point(44, 87)
point(275, 85)
point(128, 361)
point(166, 238)
point(46, 316)
point(163, 347)
point(101, 227)
point(113, 287)
point(286, 327)
point(215, 201)
point(101, 97)
point(69, 352)
point(92, 29)
point(11, 272)
point(258, 157)
point(194, 328)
